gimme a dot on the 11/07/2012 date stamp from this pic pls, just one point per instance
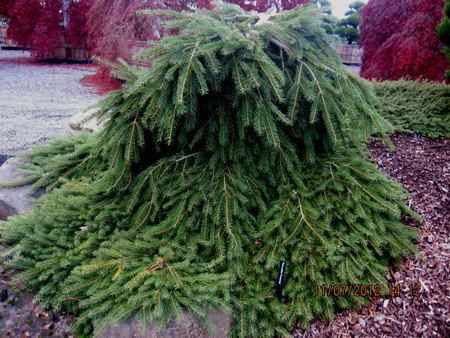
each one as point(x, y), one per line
point(414, 290)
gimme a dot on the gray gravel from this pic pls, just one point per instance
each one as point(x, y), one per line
point(37, 99)
point(354, 69)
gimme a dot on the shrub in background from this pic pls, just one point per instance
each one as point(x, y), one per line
point(419, 106)
point(239, 148)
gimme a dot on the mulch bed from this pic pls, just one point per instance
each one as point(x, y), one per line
point(422, 166)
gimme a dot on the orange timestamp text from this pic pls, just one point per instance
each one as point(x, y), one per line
point(357, 290)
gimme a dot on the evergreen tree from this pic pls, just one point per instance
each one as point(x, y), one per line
point(329, 20)
point(348, 28)
point(239, 148)
point(443, 33)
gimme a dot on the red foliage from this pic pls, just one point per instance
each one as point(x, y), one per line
point(115, 31)
point(102, 83)
point(38, 25)
point(4, 8)
point(264, 5)
point(22, 24)
point(399, 40)
point(76, 30)
point(114, 28)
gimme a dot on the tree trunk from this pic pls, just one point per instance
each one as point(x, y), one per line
point(65, 7)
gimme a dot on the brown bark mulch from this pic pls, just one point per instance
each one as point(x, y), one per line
point(422, 166)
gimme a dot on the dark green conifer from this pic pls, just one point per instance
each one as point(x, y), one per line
point(238, 148)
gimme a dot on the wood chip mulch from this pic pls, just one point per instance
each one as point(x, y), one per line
point(422, 166)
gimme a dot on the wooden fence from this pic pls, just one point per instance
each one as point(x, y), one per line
point(350, 54)
point(62, 52)
point(69, 52)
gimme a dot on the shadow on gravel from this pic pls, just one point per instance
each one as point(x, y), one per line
point(3, 159)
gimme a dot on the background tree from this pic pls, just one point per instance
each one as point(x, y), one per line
point(262, 6)
point(443, 33)
point(118, 19)
point(239, 148)
point(42, 26)
point(131, 32)
point(328, 19)
point(348, 28)
point(77, 15)
point(399, 40)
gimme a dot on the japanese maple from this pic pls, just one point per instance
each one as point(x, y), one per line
point(43, 26)
point(399, 40)
point(114, 28)
point(76, 30)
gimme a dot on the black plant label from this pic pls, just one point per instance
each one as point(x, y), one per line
point(279, 290)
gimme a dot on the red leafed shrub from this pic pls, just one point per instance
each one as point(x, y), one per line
point(399, 40)
point(114, 28)
point(264, 5)
point(39, 25)
point(115, 31)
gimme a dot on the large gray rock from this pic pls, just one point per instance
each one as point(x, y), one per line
point(190, 327)
point(15, 199)
point(82, 121)
point(6, 210)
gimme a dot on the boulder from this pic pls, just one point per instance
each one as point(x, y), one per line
point(190, 327)
point(82, 121)
point(6, 210)
point(15, 200)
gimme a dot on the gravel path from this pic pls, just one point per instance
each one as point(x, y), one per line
point(37, 99)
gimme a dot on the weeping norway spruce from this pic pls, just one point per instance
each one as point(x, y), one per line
point(239, 148)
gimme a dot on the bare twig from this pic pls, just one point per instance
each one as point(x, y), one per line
point(437, 184)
